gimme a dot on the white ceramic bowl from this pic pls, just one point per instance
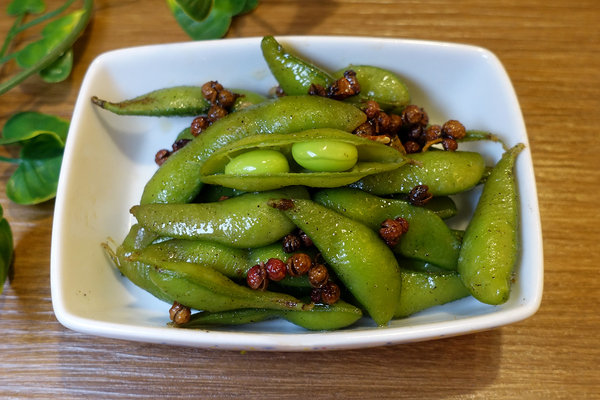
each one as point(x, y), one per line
point(109, 158)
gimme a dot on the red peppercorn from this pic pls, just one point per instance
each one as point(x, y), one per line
point(276, 269)
point(179, 313)
point(257, 278)
point(161, 156)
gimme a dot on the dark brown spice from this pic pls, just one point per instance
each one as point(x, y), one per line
point(291, 243)
point(419, 195)
point(392, 230)
point(318, 275)
point(330, 293)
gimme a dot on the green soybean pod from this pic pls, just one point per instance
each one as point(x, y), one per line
point(379, 84)
point(172, 101)
point(321, 317)
point(293, 74)
point(359, 258)
point(246, 99)
point(137, 238)
point(242, 222)
point(231, 262)
point(178, 180)
point(444, 172)
point(428, 237)
point(422, 290)
point(203, 288)
point(489, 248)
point(372, 158)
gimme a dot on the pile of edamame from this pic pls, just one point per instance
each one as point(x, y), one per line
point(222, 203)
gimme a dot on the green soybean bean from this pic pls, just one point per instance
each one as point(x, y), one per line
point(325, 155)
point(178, 100)
point(428, 238)
point(360, 259)
point(243, 221)
point(320, 317)
point(379, 84)
point(444, 172)
point(178, 180)
point(422, 290)
point(489, 249)
point(293, 74)
point(203, 288)
point(258, 162)
point(372, 157)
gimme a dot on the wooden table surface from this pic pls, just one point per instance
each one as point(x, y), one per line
point(551, 50)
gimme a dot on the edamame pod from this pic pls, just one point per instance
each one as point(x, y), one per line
point(373, 158)
point(428, 238)
point(319, 318)
point(246, 99)
point(203, 288)
point(422, 290)
point(231, 262)
point(293, 74)
point(178, 180)
point(489, 248)
point(243, 221)
point(178, 100)
point(444, 172)
point(360, 259)
point(379, 84)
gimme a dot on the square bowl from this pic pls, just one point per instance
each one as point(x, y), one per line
point(109, 158)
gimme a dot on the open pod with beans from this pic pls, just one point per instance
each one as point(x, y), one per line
point(321, 206)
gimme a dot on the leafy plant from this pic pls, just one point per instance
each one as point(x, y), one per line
point(42, 139)
point(6, 248)
point(51, 55)
point(208, 19)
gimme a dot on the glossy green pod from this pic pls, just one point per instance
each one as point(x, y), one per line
point(444, 172)
point(243, 221)
point(422, 290)
point(293, 74)
point(275, 250)
point(373, 158)
point(246, 99)
point(178, 100)
point(231, 262)
point(428, 237)
point(203, 288)
point(489, 249)
point(178, 180)
point(319, 318)
point(360, 259)
point(379, 84)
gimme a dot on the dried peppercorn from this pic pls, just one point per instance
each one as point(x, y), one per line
point(257, 277)
point(179, 314)
point(291, 243)
point(392, 230)
point(305, 239)
point(345, 87)
point(276, 269)
point(161, 156)
point(330, 293)
point(298, 264)
point(449, 144)
point(419, 195)
point(453, 129)
point(318, 275)
point(199, 124)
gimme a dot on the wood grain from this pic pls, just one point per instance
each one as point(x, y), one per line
point(551, 51)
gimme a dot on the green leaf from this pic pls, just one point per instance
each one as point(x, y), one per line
point(36, 178)
point(60, 69)
point(29, 124)
point(20, 7)
point(248, 6)
point(6, 248)
point(213, 27)
point(196, 9)
point(52, 35)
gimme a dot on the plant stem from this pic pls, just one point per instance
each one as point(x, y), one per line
point(56, 52)
point(10, 160)
point(14, 29)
